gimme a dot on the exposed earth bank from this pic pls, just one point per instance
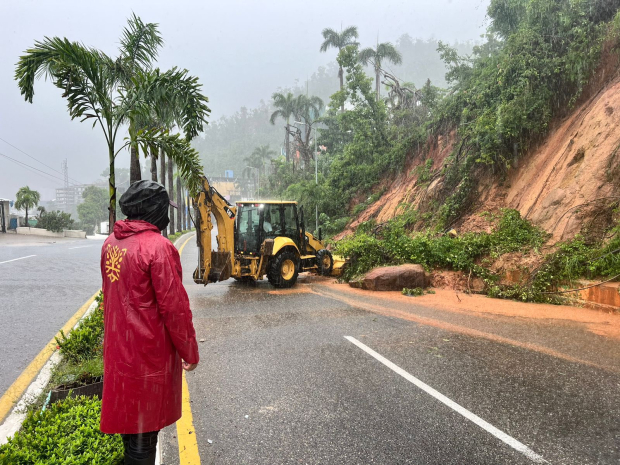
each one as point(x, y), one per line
point(564, 185)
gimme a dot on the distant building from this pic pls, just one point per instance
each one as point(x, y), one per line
point(68, 198)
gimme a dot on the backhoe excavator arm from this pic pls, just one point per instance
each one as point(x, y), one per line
point(216, 265)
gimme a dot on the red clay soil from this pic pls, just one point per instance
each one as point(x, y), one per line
point(404, 191)
point(559, 185)
point(597, 322)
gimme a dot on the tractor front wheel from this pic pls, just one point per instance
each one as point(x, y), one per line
point(324, 262)
point(283, 269)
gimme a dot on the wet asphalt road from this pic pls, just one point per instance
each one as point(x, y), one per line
point(39, 294)
point(312, 397)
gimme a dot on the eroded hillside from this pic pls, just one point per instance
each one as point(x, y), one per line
point(564, 185)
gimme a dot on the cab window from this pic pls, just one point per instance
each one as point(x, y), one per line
point(290, 220)
point(272, 221)
point(247, 228)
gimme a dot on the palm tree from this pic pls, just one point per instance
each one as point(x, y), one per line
point(286, 106)
point(339, 41)
point(261, 154)
point(171, 192)
point(26, 199)
point(138, 49)
point(384, 51)
point(96, 88)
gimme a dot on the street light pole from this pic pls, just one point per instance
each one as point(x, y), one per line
point(316, 183)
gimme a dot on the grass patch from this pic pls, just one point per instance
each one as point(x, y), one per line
point(175, 236)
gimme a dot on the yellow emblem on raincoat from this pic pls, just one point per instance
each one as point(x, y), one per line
point(113, 258)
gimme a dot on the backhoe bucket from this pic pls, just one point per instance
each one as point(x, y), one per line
point(221, 266)
point(339, 265)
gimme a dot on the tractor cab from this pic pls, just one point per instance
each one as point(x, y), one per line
point(258, 221)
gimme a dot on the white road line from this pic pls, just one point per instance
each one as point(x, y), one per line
point(80, 247)
point(512, 442)
point(20, 258)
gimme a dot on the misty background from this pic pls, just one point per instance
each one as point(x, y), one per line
point(241, 51)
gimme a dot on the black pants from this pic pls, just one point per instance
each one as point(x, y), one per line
point(140, 448)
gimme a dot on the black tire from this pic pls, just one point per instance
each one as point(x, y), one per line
point(283, 270)
point(324, 262)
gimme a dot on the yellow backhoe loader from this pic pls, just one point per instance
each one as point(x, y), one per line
point(254, 239)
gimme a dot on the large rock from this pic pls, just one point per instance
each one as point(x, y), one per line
point(393, 278)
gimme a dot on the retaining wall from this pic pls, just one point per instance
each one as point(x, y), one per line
point(44, 232)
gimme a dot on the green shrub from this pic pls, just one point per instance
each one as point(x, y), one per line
point(55, 221)
point(67, 433)
point(416, 291)
point(85, 341)
point(394, 244)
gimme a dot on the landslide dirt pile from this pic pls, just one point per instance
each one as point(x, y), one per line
point(564, 185)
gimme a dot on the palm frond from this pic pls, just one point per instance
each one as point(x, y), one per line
point(331, 39)
point(177, 148)
point(367, 56)
point(140, 43)
point(386, 51)
point(348, 35)
point(84, 74)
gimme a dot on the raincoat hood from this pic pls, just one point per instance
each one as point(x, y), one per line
point(126, 228)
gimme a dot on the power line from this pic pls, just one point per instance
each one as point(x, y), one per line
point(53, 169)
point(32, 167)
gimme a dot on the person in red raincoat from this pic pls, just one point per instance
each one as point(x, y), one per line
point(149, 336)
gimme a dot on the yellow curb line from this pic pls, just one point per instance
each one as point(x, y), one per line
point(19, 386)
point(186, 434)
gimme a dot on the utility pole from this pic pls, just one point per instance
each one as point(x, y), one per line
point(316, 182)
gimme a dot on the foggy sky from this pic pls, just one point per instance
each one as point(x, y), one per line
point(241, 51)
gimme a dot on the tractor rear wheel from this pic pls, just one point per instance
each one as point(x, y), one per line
point(283, 269)
point(324, 262)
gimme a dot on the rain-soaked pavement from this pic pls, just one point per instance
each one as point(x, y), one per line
point(43, 282)
point(278, 382)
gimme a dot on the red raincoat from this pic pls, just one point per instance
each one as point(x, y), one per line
point(148, 330)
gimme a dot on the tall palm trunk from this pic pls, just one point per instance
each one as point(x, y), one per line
point(134, 167)
point(180, 209)
point(153, 166)
point(112, 187)
point(162, 175)
point(134, 161)
point(27, 225)
point(378, 82)
point(183, 212)
point(170, 193)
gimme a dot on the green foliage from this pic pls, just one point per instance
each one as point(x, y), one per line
point(534, 68)
point(86, 341)
point(416, 291)
point(67, 433)
point(55, 221)
point(26, 199)
point(94, 209)
point(112, 92)
point(175, 236)
point(393, 244)
point(424, 171)
point(67, 372)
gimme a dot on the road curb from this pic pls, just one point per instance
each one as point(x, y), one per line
point(182, 238)
point(14, 420)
